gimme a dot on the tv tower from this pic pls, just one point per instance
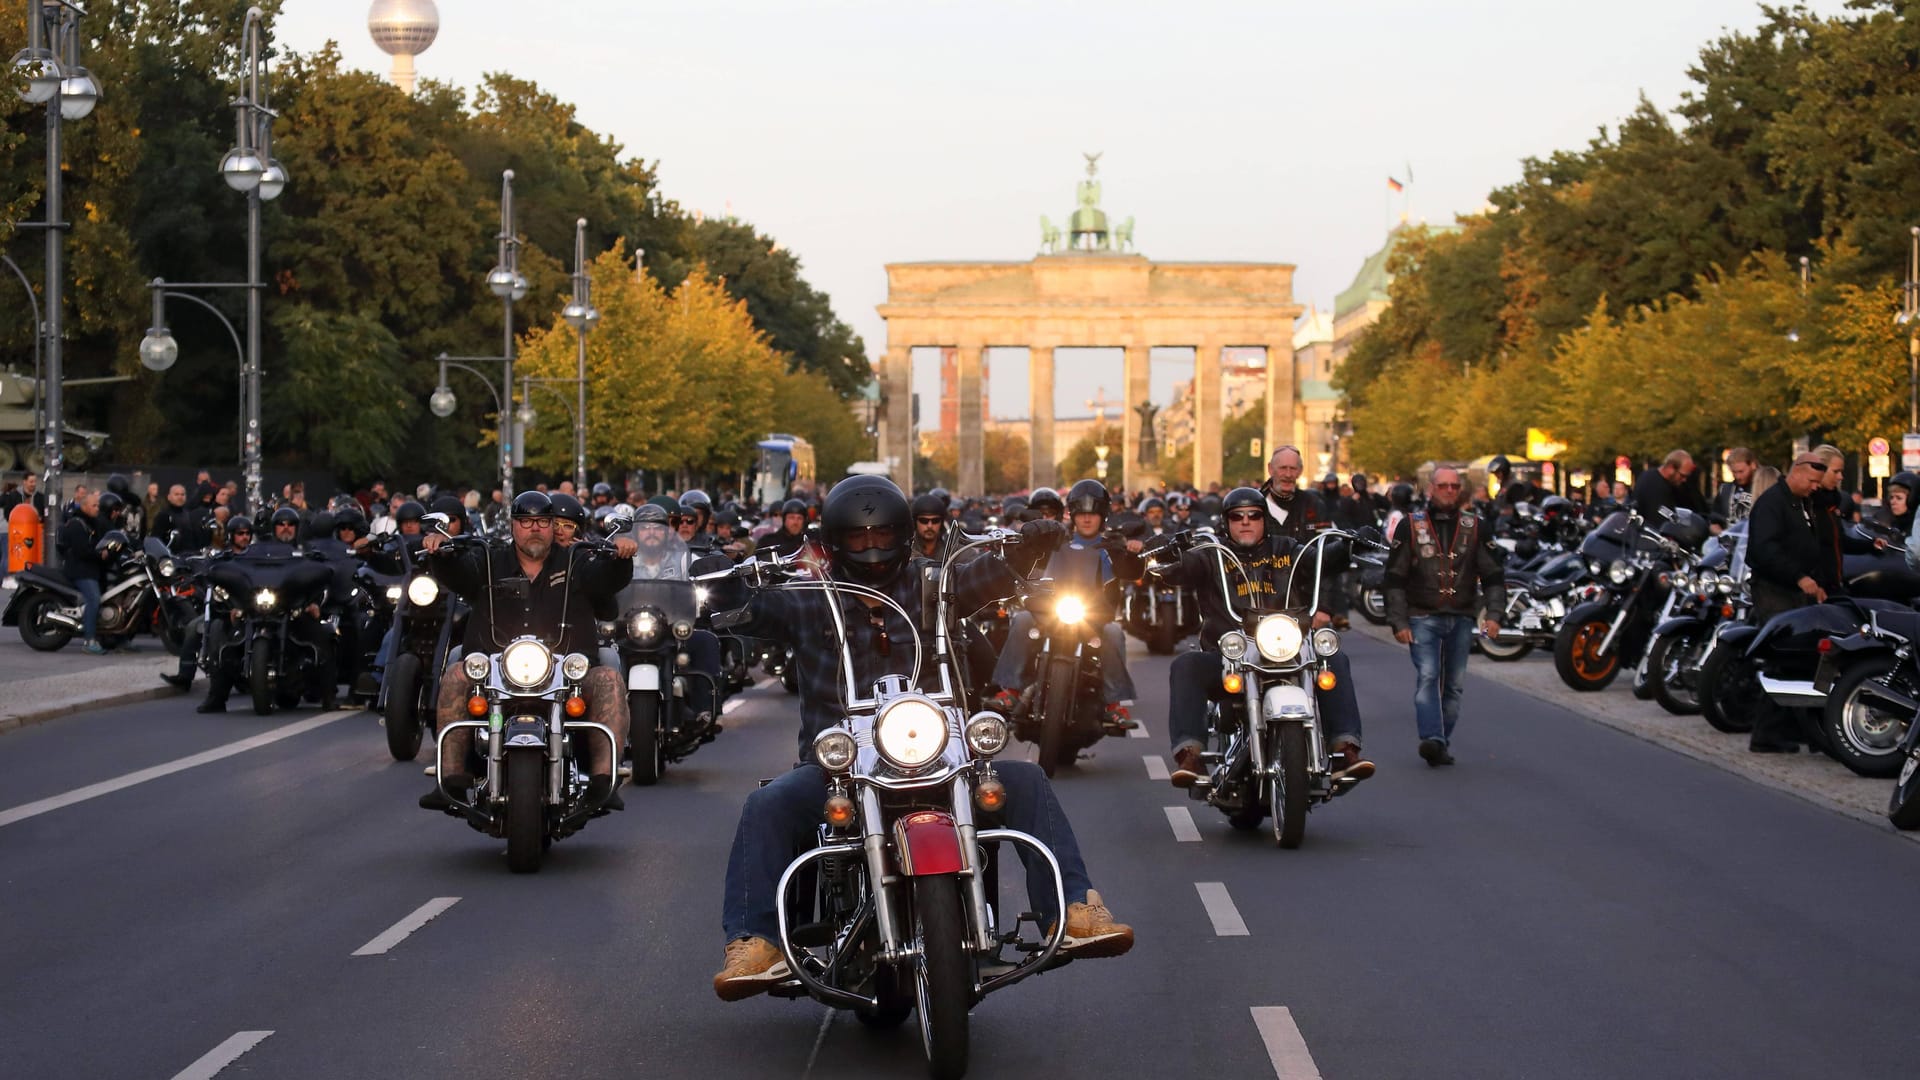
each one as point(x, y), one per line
point(403, 29)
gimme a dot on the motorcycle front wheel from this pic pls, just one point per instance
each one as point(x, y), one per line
point(643, 736)
point(1290, 794)
point(260, 676)
point(1056, 713)
point(40, 634)
point(1864, 731)
point(942, 980)
point(403, 707)
point(1160, 636)
point(526, 809)
point(1576, 651)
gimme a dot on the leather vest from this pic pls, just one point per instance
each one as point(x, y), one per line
point(1445, 567)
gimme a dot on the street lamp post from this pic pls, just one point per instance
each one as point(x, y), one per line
point(583, 317)
point(1909, 317)
point(50, 67)
point(506, 283)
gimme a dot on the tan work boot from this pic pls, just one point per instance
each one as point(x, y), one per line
point(753, 965)
point(1091, 931)
point(1187, 767)
point(1353, 764)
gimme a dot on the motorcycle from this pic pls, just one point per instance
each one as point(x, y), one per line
point(1367, 586)
point(657, 617)
point(1872, 692)
point(1700, 599)
point(276, 655)
point(428, 621)
point(49, 610)
point(1601, 637)
point(177, 585)
point(1537, 604)
point(1271, 759)
point(1062, 710)
point(896, 910)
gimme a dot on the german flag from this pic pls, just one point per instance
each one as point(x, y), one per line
point(1395, 186)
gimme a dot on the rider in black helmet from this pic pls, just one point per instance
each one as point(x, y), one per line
point(1047, 503)
point(602, 494)
point(792, 532)
point(929, 523)
point(865, 523)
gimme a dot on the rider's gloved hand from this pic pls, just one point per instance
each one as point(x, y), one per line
point(1038, 539)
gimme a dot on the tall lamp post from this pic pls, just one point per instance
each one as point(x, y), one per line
point(249, 168)
point(506, 283)
point(583, 317)
point(50, 70)
point(1909, 317)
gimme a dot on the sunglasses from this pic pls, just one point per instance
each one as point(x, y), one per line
point(1448, 487)
point(929, 520)
point(1245, 516)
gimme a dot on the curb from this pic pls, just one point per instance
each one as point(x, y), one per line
point(68, 707)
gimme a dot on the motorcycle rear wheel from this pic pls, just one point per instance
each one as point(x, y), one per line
point(1904, 808)
point(1864, 733)
point(1290, 794)
point(403, 707)
point(51, 637)
point(1728, 691)
point(943, 983)
point(1574, 659)
point(1503, 651)
point(643, 736)
point(260, 676)
point(526, 809)
point(1373, 605)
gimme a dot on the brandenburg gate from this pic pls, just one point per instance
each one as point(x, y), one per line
point(1088, 291)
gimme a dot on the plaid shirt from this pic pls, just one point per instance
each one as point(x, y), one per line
point(881, 643)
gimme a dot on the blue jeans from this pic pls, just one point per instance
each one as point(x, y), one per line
point(1440, 647)
point(781, 820)
point(90, 599)
point(1116, 681)
point(1195, 677)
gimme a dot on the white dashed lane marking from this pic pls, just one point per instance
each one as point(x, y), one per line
point(221, 1056)
point(399, 931)
point(1184, 830)
point(1156, 767)
point(1286, 1048)
point(1226, 918)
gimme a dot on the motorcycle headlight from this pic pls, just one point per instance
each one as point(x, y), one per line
point(1726, 584)
point(910, 732)
point(393, 594)
point(168, 568)
point(645, 626)
point(987, 733)
point(1326, 641)
point(834, 750)
point(422, 590)
point(575, 666)
point(219, 595)
point(1680, 580)
point(1278, 638)
point(1233, 645)
point(476, 666)
point(527, 664)
point(1619, 572)
point(1594, 567)
point(1070, 609)
point(265, 599)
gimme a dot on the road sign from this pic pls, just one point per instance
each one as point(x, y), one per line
point(1254, 452)
point(1623, 462)
point(1880, 466)
point(1877, 447)
point(1910, 450)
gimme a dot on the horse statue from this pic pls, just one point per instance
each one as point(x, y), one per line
point(1123, 235)
point(1049, 235)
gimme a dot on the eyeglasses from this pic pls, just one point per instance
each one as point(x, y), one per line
point(1448, 487)
point(1245, 516)
point(685, 519)
point(534, 522)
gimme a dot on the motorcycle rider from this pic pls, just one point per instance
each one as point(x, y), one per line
point(1195, 676)
point(1086, 564)
point(792, 534)
point(1154, 513)
point(1046, 503)
point(83, 565)
point(929, 525)
point(239, 538)
point(529, 588)
point(1293, 510)
point(661, 557)
point(602, 495)
point(304, 626)
point(866, 524)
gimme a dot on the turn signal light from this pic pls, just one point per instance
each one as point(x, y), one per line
point(476, 706)
point(1325, 680)
point(991, 795)
point(576, 707)
point(1726, 611)
point(839, 811)
point(1232, 683)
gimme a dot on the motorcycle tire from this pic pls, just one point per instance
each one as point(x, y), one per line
point(1904, 808)
point(1505, 652)
point(943, 979)
point(1247, 820)
point(1573, 657)
point(49, 638)
point(260, 676)
point(789, 680)
point(1728, 692)
point(1291, 796)
point(1056, 715)
point(1675, 658)
point(1160, 637)
point(171, 638)
point(1860, 737)
point(895, 1004)
point(526, 782)
point(402, 720)
point(1373, 605)
point(1645, 681)
point(643, 736)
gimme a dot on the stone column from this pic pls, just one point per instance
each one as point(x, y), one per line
point(1042, 462)
point(1206, 415)
point(1132, 475)
point(972, 477)
point(1281, 413)
point(896, 443)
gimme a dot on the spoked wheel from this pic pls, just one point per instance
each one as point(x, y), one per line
point(1290, 793)
point(643, 736)
point(1373, 605)
point(942, 982)
point(260, 676)
point(1729, 691)
point(403, 707)
point(1675, 659)
point(1577, 658)
point(1864, 729)
point(526, 810)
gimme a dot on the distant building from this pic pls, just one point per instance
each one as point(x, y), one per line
point(1243, 382)
point(1318, 414)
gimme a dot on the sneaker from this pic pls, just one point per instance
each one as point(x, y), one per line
point(1091, 931)
point(754, 965)
point(1188, 768)
point(1353, 765)
point(94, 648)
point(1119, 719)
point(1004, 702)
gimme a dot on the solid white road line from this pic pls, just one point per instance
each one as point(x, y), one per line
point(108, 787)
point(398, 932)
point(1184, 830)
point(1285, 1047)
point(1226, 918)
point(1156, 767)
point(221, 1056)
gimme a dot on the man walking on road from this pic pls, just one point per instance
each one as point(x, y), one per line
point(1441, 575)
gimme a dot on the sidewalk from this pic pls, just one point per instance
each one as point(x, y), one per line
point(42, 686)
point(1814, 777)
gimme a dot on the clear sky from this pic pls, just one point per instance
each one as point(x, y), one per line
point(862, 132)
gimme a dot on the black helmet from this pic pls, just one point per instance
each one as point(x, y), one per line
point(532, 504)
point(727, 516)
point(945, 496)
point(1359, 481)
point(1910, 481)
point(1089, 497)
point(351, 518)
point(863, 502)
point(1046, 496)
point(699, 504)
point(320, 525)
point(603, 488)
point(1155, 503)
point(117, 484)
point(451, 506)
point(239, 523)
point(649, 514)
point(1556, 504)
point(286, 515)
point(1401, 496)
point(793, 506)
point(1208, 504)
point(1242, 497)
point(1499, 466)
point(111, 504)
point(568, 508)
point(409, 511)
point(929, 506)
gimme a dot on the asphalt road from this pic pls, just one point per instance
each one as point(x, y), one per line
point(1566, 902)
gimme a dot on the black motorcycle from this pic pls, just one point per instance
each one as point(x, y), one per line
point(279, 650)
point(1602, 637)
point(428, 620)
point(656, 619)
point(49, 610)
point(1872, 691)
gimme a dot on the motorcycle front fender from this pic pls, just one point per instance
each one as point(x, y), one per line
point(1675, 625)
point(927, 842)
point(643, 677)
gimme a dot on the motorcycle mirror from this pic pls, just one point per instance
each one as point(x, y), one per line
point(438, 523)
point(724, 620)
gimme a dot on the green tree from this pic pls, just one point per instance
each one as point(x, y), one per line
point(1080, 458)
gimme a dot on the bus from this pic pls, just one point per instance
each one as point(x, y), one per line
point(784, 467)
